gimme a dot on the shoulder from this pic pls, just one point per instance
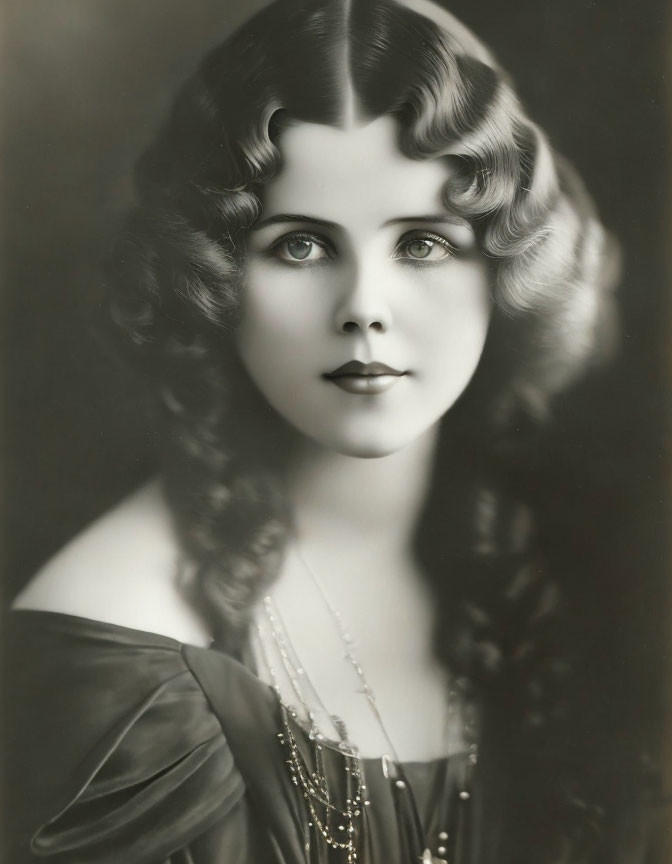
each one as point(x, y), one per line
point(104, 710)
point(124, 569)
point(111, 740)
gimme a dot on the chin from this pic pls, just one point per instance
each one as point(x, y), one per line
point(372, 452)
point(367, 447)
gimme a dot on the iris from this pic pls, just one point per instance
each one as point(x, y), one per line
point(419, 248)
point(299, 249)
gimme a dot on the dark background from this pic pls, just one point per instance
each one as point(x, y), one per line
point(85, 83)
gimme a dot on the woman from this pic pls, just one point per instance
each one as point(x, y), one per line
point(356, 272)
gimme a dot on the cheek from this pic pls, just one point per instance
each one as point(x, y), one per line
point(280, 317)
point(456, 317)
point(284, 299)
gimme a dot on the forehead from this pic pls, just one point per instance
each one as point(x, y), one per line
point(346, 174)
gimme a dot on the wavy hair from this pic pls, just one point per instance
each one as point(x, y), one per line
point(178, 275)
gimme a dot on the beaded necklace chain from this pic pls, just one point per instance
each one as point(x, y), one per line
point(468, 720)
point(389, 760)
point(340, 825)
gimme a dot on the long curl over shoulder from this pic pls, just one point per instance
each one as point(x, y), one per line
point(178, 275)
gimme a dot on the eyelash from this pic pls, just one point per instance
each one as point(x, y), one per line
point(300, 235)
point(413, 237)
point(406, 240)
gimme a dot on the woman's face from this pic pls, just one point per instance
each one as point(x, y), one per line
point(354, 266)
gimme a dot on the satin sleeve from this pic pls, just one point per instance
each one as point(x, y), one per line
point(114, 753)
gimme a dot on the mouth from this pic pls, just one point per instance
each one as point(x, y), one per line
point(364, 378)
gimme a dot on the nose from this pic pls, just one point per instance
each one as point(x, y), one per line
point(364, 307)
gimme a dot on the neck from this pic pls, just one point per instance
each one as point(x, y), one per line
point(360, 506)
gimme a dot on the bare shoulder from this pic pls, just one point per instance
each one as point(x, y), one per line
point(123, 569)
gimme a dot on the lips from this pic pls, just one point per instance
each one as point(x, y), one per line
point(364, 379)
point(356, 367)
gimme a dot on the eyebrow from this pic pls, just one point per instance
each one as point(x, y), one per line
point(444, 218)
point(293, 217)
point(283, 218)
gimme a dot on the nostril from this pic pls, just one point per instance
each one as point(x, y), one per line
point(353, 326)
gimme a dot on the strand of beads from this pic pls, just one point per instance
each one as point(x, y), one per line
point(391, 765)
point(336, 824)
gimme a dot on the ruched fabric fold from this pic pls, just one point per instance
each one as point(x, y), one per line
point(116, 754)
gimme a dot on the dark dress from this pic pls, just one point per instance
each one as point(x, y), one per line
point(128, 746)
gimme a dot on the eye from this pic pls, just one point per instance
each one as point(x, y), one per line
point(424, 247)
point(300, 248)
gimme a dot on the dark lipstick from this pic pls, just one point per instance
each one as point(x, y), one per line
point(364, 378)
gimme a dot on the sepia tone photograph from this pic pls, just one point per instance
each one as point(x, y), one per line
point(336, 432)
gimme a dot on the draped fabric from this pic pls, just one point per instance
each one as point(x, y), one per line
point(130, 746)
